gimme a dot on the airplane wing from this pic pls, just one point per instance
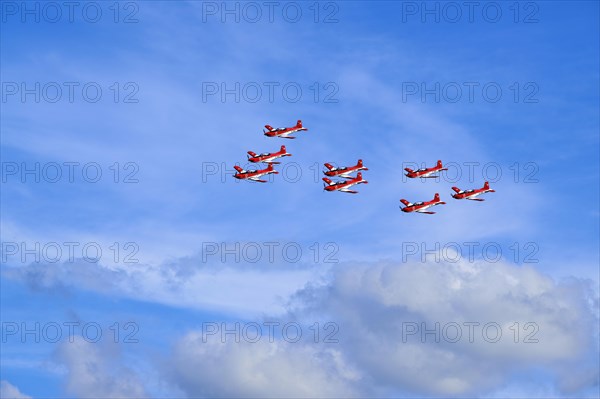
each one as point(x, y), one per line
point(475, 199)
point(427, 212)
point(257, 179)
point(345, 190)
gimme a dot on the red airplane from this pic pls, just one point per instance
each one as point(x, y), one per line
point(344, 171)
point(254, 174)
point(421, 207)
point(284, 132)
point(425, 172)
point(267, 157)
point(343, 186)
point(470, 194)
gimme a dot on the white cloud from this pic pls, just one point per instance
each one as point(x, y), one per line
point(261, 369)
point(184, 283)
point(373, 304)
point(9, 391)
point(97, 372)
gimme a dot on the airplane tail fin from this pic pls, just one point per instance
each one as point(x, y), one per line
point(359, 163)
point(328, 181)
point(282, 149)
point(251, 154)
point(405, 202)
point(329, 166)
point(409, 170)
point(439, 163)
point(269, 128)
point(299, 123)
point(359, 176)
point(271, 169)
point(486, 186)
point(238, 168)
point(436, 197)
point(456, 189)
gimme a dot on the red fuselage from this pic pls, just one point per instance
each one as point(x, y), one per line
point(254, 175)
point(345, 171)
point(284, 132)
point(344, 186)
point(425, 172)
point(421, 207)
point(268, 157)
point(472, 194)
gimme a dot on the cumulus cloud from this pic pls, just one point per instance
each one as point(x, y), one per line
point(9, 391)
point(415, 329)
point(262, 369)
point(438, 328)
point(95, 372)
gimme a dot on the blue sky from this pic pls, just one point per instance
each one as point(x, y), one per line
point(167, 208)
